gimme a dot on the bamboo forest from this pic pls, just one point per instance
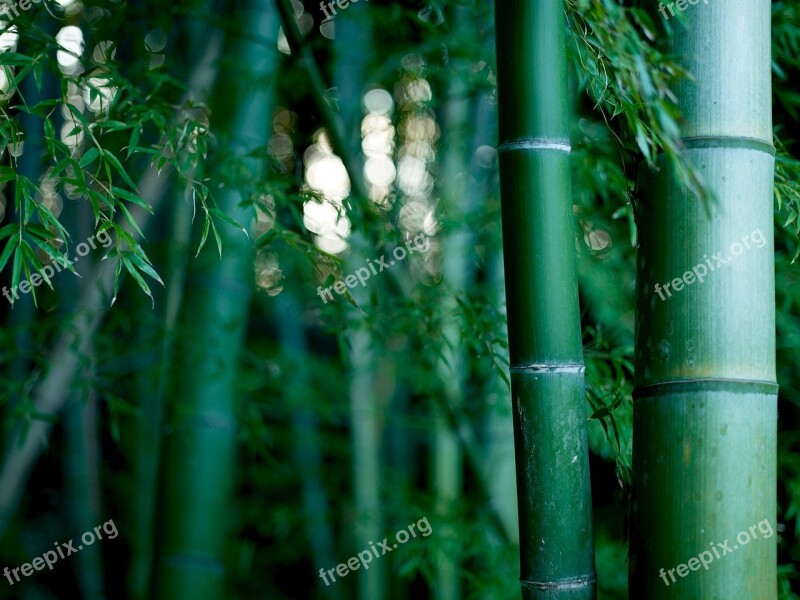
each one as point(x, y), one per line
point(403, 300)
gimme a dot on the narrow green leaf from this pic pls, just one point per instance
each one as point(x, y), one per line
point(221, 215)
point(16, 269)
point(204, 235)
point(138, 278)
point(134, 139)
point(54, 255)
point(109, 156)
point(8, 230)
point(267, 238)
point(130, 219)
point(89, 157)
point(79, 116)
point(10, 247)
point(143, 266)
point(125, 194)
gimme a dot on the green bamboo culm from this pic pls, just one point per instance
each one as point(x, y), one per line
point(547, 372)
point(198, 468)
point(705, 401)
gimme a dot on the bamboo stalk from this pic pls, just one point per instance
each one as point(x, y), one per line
point(25, 445)
point(448, 459)
point(152, 390)
point(82, 448)
point(82, 462)
point(22, 451)
point(705, 412)
point(547, 373)
point(198, 468)
point(351, 51)
point(496, 429)
point(306, 437)
point(152, 384)
point(366, 428)
point(334, 123)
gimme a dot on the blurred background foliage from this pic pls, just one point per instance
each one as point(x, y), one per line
point(355, 416)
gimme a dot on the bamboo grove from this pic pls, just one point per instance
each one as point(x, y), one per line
point(449, 300)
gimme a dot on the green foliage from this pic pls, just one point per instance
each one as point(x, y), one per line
point(610, 558)
point(787, 192)
point(619, 65)
point(609, 384)
point(786, 68)
point(786, 54)
point(116, 123)
point(786, 575)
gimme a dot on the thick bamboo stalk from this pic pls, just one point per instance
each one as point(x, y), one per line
point(705, 400)
point(547, 373)
point(198, 469)
point(352, 49)
point(366, 436)
point(498, 433)
point(152, 385)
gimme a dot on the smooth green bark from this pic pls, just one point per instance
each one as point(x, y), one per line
point(705, 412)
point(82, 452)
point(447, 456)
point(547, 373)
point(158, 331)
point(198, 470)
point(352, 49)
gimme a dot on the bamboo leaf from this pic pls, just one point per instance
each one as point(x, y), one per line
point(109, 156)
point(10, 246)
point(233, 223)
point(143, 266)
point(138, 278)
point(89, 157)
